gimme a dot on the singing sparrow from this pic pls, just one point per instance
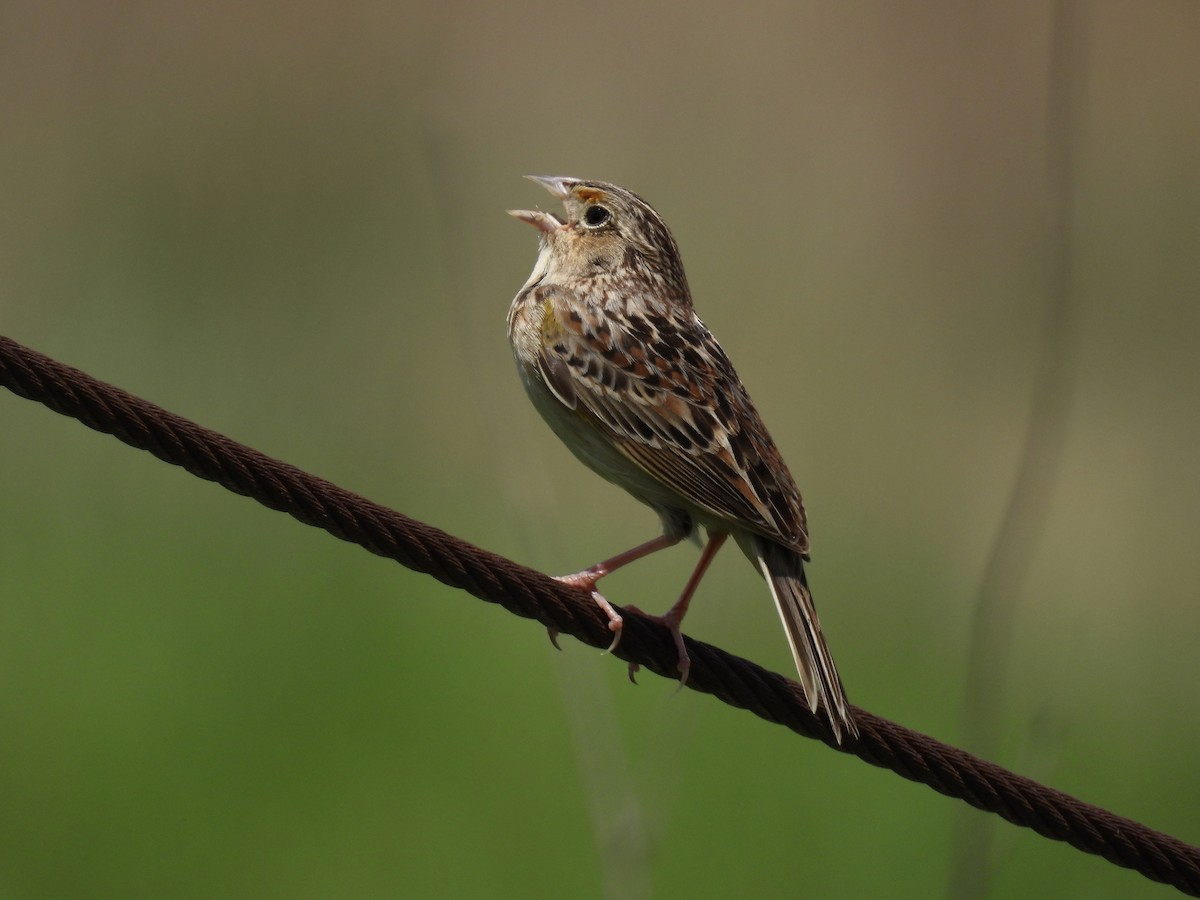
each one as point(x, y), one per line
point(616, 361)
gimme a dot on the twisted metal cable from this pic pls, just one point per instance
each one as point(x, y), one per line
point(530, 594)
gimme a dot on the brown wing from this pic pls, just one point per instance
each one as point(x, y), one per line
point(665, 393)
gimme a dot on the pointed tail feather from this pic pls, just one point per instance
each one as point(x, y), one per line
point(784, 570)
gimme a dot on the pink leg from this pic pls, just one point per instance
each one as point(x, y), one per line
point(588, 577)
point(673, 617)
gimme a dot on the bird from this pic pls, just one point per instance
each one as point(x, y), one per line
point(614, 358)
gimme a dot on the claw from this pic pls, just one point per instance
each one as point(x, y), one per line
point(685, 668)
point(685, 664)
point(587, 581)
point(552, 633)
point(615, 622)
point(672, 624)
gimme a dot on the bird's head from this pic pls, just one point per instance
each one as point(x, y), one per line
point(606, 230)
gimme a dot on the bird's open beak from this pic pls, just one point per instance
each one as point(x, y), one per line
point(545, 222)
point(558, 185)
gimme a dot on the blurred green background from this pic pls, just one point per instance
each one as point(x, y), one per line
point(286, 221)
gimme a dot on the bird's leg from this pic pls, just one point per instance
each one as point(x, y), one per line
point(588, 577)
point(673, 617)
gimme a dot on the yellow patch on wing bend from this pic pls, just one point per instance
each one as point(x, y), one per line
point(552, 329)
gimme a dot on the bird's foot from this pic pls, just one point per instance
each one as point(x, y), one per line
point(672, 622)
point(587, 581)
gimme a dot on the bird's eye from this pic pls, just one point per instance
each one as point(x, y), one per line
point(596, 216)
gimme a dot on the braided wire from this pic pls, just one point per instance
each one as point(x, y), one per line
point(530, 594)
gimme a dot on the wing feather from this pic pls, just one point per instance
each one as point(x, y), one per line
point(665, 394)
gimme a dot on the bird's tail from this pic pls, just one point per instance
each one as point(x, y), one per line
point(784, 570)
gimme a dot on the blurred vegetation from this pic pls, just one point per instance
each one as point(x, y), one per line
point(287, 222)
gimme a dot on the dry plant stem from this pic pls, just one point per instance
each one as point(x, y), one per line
point(1016, 539)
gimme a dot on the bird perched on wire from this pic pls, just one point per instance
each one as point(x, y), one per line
point(615, 359)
